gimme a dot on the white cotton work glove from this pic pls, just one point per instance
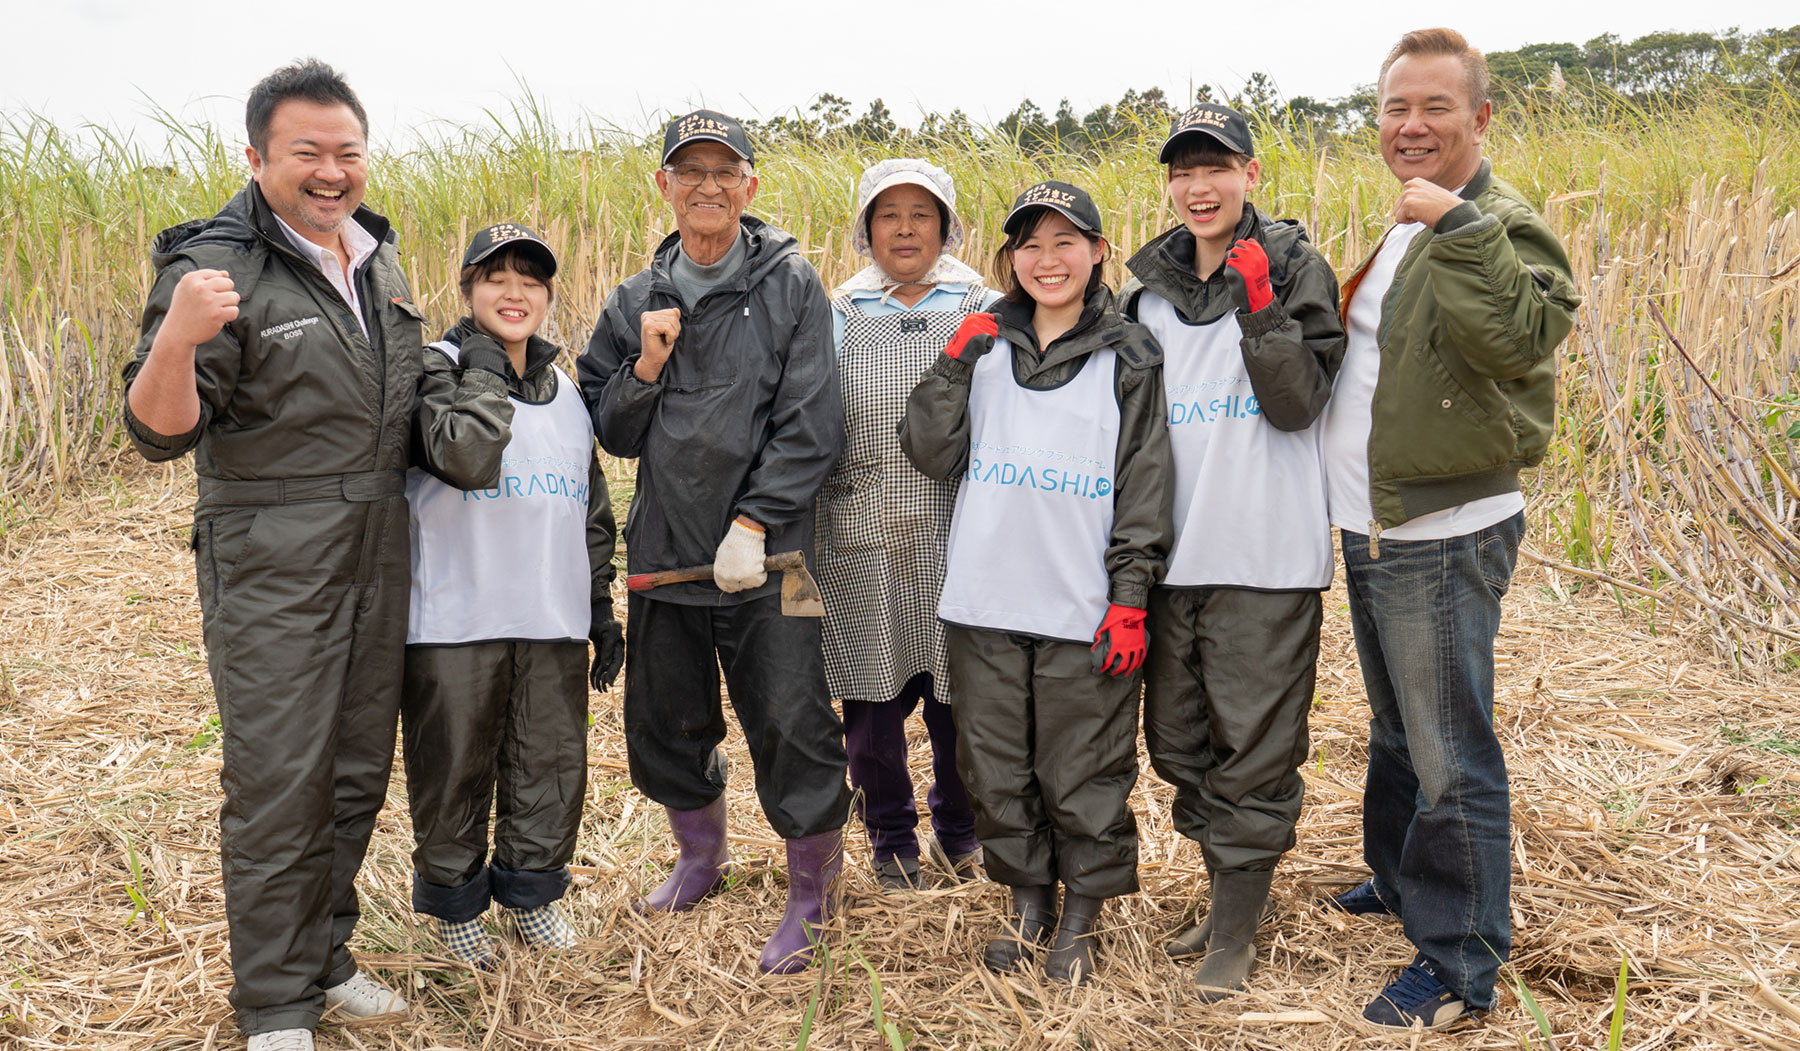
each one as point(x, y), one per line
point(738, 565)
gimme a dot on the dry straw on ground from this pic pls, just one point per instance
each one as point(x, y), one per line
point(1656, 808)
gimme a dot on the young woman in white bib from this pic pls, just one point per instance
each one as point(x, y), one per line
point(1050, 414)
point(509, 585)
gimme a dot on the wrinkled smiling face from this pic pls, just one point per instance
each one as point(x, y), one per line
point(315, 168)
point(904, 222)
point(706, 211)
point(1429, 128)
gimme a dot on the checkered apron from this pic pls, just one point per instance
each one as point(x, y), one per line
point(882, 526)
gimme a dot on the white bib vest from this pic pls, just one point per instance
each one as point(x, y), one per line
point(1034, 516)
point(1250, 506)
point(511, 562)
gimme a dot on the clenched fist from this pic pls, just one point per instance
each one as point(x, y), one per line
point(658, 330)
point(204, 302)
point(1423, 201)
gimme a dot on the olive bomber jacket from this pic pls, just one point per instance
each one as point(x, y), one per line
point(1466, 396)
point(293, 388)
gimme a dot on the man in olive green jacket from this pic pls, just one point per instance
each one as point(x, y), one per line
point(1447, 391)
point(281, 344)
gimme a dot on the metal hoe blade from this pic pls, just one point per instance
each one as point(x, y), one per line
point(800, 595)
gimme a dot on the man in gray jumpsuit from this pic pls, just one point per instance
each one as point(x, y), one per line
point(281, 344)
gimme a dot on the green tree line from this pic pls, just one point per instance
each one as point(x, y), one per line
point(1653, 73)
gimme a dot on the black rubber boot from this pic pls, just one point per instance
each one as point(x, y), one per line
point(1189, 943)
point(1238, 900)
point(1072, 954)
point(1034, 913)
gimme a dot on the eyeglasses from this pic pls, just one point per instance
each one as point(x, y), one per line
point(728, 176)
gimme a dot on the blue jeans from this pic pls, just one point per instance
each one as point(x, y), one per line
point(1436, 813)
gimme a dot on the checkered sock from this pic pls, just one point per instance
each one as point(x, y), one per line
point(545, 927)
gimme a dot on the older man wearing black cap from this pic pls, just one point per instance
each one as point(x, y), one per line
point(714, 368)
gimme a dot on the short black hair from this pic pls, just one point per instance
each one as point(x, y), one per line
point(516, 258)
point(1029, 221)
point(1204, 151)
point(309, 79)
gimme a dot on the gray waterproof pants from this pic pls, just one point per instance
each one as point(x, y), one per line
point(303, 606)
point(1048, 753)
point(775, 672)
point(1227, 687)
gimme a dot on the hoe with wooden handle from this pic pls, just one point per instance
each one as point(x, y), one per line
point(799, 591)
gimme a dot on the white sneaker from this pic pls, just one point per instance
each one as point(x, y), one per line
point(283, 1040)
point(362, 997)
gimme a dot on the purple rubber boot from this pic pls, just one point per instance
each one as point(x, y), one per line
point(813, 866)
point(703, 864)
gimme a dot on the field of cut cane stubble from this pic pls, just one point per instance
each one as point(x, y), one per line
point(1648, 665)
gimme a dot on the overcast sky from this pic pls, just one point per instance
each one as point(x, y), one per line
point(413, 62)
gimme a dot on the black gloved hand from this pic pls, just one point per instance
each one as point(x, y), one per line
point(609, 651)
point(483, 352)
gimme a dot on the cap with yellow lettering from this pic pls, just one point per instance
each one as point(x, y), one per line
point(1072, 201)
point(506, 235)
point(1221, 123)
point(705, 125)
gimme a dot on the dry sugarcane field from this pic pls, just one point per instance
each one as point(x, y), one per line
point(1648, 663)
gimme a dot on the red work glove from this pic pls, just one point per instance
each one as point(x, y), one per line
point(974, 337)
point(1119, 645)
point(1247, 263)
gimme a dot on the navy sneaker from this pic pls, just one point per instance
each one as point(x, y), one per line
point(1360, 900)
point(1415, 999)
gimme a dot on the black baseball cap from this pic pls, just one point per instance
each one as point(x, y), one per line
point(705, 125)
point(1221, 123)
point(502, 235)
point(1072, 201)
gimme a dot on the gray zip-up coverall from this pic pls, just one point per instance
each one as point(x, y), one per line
point(301, 553)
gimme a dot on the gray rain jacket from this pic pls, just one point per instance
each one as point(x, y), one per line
point(745, 419)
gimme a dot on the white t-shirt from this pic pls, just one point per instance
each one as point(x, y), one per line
point(1348, 419)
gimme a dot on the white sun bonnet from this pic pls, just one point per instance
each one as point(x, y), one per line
point(900, 171)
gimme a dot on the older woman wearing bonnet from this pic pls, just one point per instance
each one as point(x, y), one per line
point(883, 525)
